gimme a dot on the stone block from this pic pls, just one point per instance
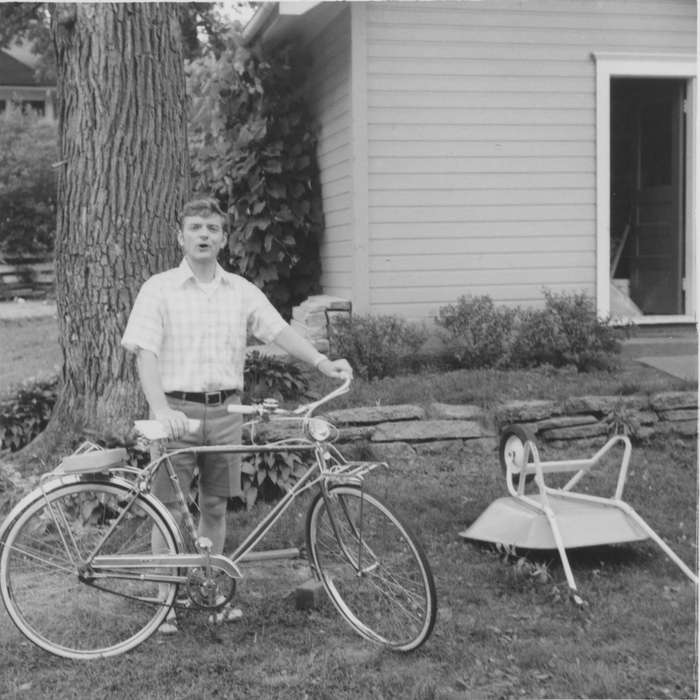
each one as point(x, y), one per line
point(563, 422)
point(368, 415)
point(439, 447)
point(309, 332)
point(455, 411)
point(591, 404)
point(575, 432)
point(674, 399)
point(421, 431)
point(679, 414)
point(392, 452)
point(355, 432)
point(522, 411)
point(687, 428)
point(308, 595)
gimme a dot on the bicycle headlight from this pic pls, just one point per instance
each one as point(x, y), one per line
point(319, 430)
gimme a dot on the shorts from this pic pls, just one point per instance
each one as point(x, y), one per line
point(219, 473)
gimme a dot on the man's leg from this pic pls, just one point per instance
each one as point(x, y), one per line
point(212, 520)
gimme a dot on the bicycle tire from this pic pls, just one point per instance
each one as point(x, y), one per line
point(374, 570)
point(55, 604)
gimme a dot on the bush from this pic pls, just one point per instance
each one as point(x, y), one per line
point(377, 346)
point(566, 332)
point(25, 414)
point(27, 185)
point(476, 332)
point(266, 376)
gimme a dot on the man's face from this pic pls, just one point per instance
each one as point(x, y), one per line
point(202, 237)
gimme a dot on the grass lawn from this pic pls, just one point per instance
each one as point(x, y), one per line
point(501, 631)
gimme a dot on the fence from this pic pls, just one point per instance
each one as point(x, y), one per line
point(26, 280)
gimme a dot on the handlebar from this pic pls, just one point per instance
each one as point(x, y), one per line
point(304, 410)
point(155, 430)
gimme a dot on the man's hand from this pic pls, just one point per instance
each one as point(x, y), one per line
point(174, 421)
point(338, 369)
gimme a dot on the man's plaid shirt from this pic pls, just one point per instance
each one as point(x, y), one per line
point(199, 336)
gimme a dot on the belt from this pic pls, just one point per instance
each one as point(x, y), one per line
point(210, 398)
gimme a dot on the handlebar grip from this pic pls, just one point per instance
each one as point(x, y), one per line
point(241, 409)
point(155, 430)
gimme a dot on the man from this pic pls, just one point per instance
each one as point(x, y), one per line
point(188, 329)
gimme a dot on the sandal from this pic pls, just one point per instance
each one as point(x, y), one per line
point(227, 614)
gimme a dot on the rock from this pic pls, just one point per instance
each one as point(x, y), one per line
point(392, 452)
point(375, 414)
point(420, 431)
point(688, 428)
point(604, 404)
point(674, 399)
point(355, 433)
point(309, 595)
point(576, 432)
point(563, 422)
point(679, 414)
point(455, 411)
point(439, 447)
point(522, 411)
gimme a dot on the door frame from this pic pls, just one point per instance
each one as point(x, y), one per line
point(622, 65)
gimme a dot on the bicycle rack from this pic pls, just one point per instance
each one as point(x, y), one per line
point(559, 518)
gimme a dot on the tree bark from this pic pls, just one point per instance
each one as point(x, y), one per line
point(123, 176)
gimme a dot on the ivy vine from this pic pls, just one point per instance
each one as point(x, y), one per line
point(253, 146)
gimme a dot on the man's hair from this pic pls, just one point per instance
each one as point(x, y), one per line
point(202, 206)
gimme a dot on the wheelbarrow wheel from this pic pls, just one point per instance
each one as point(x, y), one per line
point(511, 451)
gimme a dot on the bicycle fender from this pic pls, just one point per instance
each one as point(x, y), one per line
point(58, 482)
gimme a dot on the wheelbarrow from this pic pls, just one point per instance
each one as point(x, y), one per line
point(560, 518)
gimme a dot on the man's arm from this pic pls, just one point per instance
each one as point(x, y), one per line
point(149, 376)
point(300, 348)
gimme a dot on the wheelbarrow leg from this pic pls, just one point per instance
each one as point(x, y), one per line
point(563, 556)
point(632, 513)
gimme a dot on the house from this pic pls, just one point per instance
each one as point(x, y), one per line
point(18, 84)
point(502, 146)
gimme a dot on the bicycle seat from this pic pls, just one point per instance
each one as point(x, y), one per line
point(96, 461)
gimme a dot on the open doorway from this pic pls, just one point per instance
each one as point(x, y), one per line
point(647, 186)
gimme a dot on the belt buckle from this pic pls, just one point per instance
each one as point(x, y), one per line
point(212, 394)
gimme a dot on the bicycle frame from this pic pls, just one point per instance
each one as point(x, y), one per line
point(317, 474)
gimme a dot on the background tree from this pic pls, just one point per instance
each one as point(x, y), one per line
point(123, 175)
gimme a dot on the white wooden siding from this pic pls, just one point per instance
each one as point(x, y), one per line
point(481, 142)
point(330, 99)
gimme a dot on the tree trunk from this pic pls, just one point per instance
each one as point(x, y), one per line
point(123, 175)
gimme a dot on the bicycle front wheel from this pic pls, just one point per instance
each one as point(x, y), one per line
point(372, 568)
point(51, 591)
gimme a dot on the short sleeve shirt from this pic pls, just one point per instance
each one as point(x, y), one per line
point(199, 336)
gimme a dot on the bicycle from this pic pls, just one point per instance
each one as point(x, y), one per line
point(79, 579)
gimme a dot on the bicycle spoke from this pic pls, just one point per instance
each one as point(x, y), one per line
point(64, 606)
point(372, 569)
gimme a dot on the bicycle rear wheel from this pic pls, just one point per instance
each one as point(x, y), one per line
point(51, 592)
point(373, 569)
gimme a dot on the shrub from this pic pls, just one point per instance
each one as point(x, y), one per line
point(27, 185)
point(566, 332)
point(477, 332)
point(25, 414)
point(376, 346)
point(266, 376)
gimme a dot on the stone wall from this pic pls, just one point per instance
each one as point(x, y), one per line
point(313, 319)
point(404, 431)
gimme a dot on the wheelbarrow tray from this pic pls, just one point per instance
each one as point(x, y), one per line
point(514, 521)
